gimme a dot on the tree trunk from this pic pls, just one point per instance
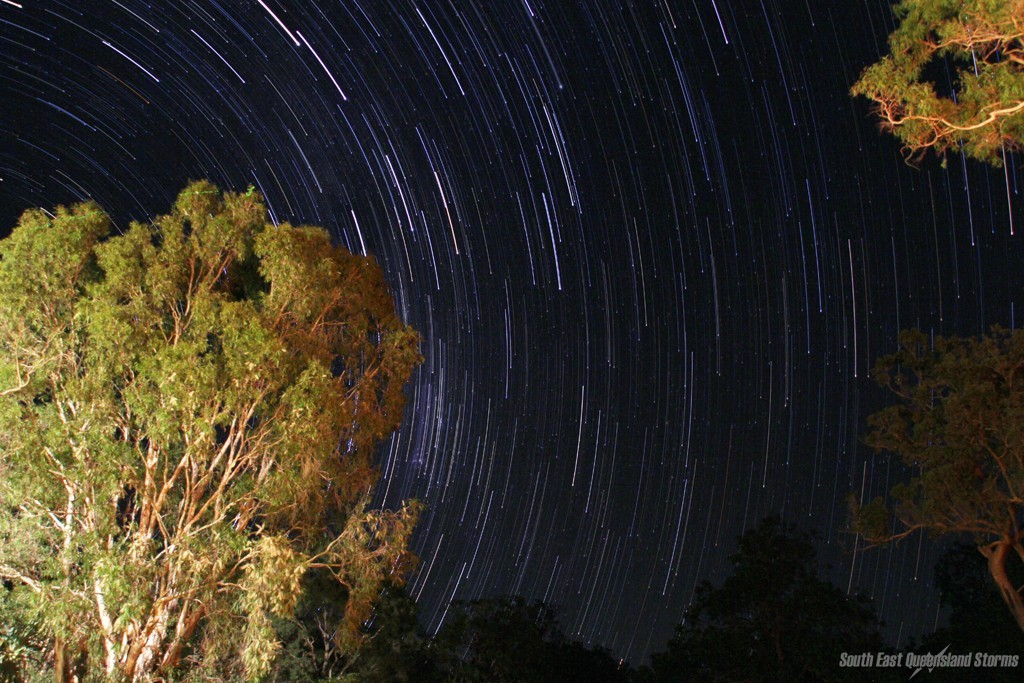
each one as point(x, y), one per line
point(110, 664)
point(183, 632)
point(142, 653)
point(69, 663)
point(997, 554)
point(61, 666)
point(146, 657)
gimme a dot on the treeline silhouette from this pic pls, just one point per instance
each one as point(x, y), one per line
point(772, 619)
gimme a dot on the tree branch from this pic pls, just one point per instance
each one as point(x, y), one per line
point(9, 572)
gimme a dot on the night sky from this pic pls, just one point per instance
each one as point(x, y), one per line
point(653, 249)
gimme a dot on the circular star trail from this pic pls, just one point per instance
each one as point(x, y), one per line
point(653, 249)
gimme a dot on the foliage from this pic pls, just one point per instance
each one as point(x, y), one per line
point(310, 648)
point(498, 639)
point(772, 619)
point(508, 640)
point(978, 622)
point(21, 644)
point(188, 414)
point(395, 649)
point(494, 640)
point(392, 645)
point(984, 41)
point(959, 425)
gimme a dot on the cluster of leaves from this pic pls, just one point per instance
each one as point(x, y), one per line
point(984, 41)
point(959, 423)
point(22, 646)
point(188, 417)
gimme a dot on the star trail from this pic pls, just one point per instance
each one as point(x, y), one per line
point(652, 246)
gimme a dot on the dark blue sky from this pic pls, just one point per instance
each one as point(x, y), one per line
point(653, 249)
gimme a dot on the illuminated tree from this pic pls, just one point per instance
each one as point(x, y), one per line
point(959, 425)
point(984, 41)
point(188, 413)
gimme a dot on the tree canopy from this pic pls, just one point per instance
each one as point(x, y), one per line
point(512, 640)
point(772, 619)
point(959, 426)
point(983, 114)
point(188, 416)
point(505, 639)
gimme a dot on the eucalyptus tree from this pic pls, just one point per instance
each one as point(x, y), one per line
point(958, 426)
point(188, 416)
point(953, 79)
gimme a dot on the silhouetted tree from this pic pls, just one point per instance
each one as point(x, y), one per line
point(395, 648)
point(772, 619)
point(978, 621)
point(508, 640)
point(496, 640)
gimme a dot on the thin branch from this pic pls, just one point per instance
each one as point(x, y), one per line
point(9, 572)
